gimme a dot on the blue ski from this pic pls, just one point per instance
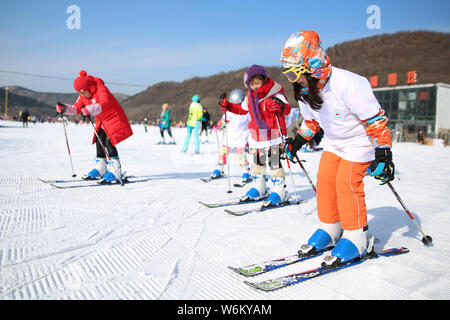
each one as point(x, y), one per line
point(285, 281)
point(263, 208)
point(68, 181)
point(230, 203)
point(266, 266)
point(60, 180)
point(94, 183)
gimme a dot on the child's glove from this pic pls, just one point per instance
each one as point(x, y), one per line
point(84, 111)
point(223, 103)
point(60, 107)
point(293, 145)
point(382, 168)
point(276, 105)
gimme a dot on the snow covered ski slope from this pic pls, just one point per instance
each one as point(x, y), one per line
point(154, 240)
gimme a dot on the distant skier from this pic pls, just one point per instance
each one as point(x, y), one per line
point(420, 137)
point(193, 124)
point(356, 138)
point(25, 116)
point(237, 136)
point(165, 123)
point(205, 122)
point(111, 125)
point(265, 101)
point(145, 124)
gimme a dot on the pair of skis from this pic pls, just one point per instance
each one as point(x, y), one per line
point(285, 281)
point(243, 212)
point(81, 183)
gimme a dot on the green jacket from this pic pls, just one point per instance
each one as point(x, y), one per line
point(195, 113)
point(165, 120)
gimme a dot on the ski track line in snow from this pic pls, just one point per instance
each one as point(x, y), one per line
point(173, 275)
point(196, 241)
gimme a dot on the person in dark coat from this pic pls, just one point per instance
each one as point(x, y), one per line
point(25, 116)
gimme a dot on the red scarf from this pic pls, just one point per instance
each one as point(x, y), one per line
point(264, 90)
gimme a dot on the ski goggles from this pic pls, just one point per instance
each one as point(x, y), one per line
point(294, 73)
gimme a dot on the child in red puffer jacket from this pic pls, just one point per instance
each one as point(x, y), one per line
point(111, 125)
point(267, 104)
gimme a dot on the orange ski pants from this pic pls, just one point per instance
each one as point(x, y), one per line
point(340, 191)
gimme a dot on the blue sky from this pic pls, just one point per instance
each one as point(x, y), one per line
point(145, 42)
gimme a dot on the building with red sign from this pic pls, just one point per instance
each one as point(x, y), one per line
point(415, 107)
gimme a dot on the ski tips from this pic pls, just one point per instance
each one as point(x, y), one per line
point(208, 205)
point(262, 286)
point(247, 271)
point(202, 203)
point(230, 212)
point(236, 270)
point(252, 285)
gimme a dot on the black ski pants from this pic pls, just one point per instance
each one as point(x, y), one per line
point(112, 151)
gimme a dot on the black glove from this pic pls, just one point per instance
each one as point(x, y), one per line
point(293, 145)
point(382, 168)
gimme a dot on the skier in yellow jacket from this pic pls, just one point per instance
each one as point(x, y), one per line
point(193, 123)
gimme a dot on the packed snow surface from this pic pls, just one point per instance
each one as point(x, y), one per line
point(153, 240)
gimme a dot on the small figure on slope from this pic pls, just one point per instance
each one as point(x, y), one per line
point(25, 115)
point(112, 125)
point(267, 105)
point(205, 119)
point(165, 123)
point(237, 132)
point(356, 137)
point(145, 124)
point(193, 124)
point(420, 137)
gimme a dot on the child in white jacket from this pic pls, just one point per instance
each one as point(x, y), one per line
point(356, 138)
point(237, 134)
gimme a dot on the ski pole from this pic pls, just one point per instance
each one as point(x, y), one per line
point(427, 240)
point(228, 155)
point(101, 144)
point(287, 160)
point(306, 174)
point(217, 139)
point(98, 138)
point(67, 143)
